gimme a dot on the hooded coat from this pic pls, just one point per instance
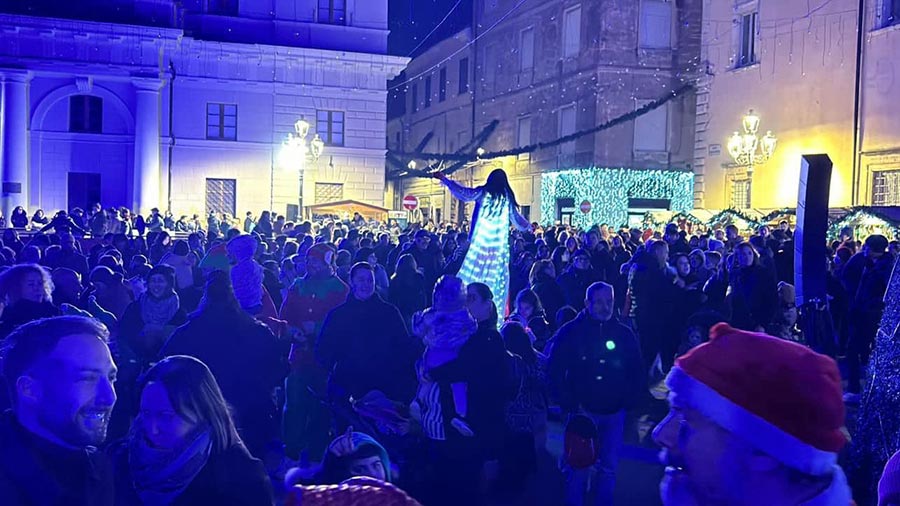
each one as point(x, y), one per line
point(246, 274)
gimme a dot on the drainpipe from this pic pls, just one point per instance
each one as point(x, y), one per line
point(171, 131)
point(857, 104)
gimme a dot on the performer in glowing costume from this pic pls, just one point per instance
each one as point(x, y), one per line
point(487, 260)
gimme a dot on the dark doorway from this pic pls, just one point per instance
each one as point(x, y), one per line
point(565, 209)
point(84, 190)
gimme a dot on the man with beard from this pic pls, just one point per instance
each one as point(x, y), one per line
point(60, 376)
point(754, 420)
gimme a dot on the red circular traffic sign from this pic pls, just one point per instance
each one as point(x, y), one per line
point(410, 202)
point(585, 207)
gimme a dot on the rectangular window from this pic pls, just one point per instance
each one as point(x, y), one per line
point(463, 76)
point(442, 86)
point(747, 50)
point(656, 24)
point(329, 192)
point(740, 194)
point(330, 127)
point(333, 12)
point(414, 98)
point(572, 32)
point(526, 49)
point(222, 7)
point(428, 92)
point(651, 129)
point(886, 188)
point(85, 114)
point(890, 13)
point(221, 121)
point(523, 134)
point(567, 127)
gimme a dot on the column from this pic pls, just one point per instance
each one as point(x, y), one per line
point(14, 140)
point(146, 145)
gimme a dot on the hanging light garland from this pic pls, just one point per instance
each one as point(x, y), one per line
point(608, 191)
point(865, 221)
point(461, 157)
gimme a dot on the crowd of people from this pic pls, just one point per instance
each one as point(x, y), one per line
point(243, 363)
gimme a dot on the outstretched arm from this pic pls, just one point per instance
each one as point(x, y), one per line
point(517, 219)
point(459, 191)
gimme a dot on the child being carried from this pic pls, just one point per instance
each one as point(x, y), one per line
point(445, 328)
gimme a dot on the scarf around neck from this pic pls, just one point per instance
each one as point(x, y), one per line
point(159, 311)
point(160, 475)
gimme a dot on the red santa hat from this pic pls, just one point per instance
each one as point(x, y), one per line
point(782, 398)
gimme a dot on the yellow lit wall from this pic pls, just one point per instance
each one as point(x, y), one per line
point(801, 87)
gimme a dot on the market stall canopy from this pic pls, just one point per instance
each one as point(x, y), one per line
point(346, 208)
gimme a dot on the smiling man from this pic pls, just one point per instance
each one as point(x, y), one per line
point(60, 376)
point(754, 420)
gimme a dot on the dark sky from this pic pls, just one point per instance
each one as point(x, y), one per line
point(412, 20)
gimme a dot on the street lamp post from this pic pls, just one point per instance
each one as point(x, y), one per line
point(294, 151)
point(748, 149)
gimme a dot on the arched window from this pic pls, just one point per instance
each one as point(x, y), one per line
point(85, 114)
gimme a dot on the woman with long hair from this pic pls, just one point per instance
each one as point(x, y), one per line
point(183, 447)
point(26, 291)
point(752, 293)
point(487, 260)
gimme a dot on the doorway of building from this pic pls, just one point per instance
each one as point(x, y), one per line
point(83, 190)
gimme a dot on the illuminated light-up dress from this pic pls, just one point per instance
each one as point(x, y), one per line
point(487, 260)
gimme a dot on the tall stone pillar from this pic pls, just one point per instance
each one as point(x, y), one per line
point(14, 140)
point(146, 145)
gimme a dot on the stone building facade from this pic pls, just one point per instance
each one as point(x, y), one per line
point(546, 69)
point(185, 105)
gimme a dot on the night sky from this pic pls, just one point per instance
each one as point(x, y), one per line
point(412, 20)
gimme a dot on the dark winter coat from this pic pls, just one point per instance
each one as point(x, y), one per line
point(597, 366)
point(408, 294)
point(486, 368)
point(551, 296)
point(430, 261)
point(230, 478)
point(145, 345)
point(868, 300)
point(34, 471)
point(23, 311)
point(365, 346)
point(574, 284)
point(752, 297)
point(244, 356)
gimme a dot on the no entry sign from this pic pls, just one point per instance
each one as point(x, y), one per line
point(410, 202)
point(586, 207)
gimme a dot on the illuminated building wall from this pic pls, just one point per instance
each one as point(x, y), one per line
point(794, 64)
point(546, 69)
point(146, 108)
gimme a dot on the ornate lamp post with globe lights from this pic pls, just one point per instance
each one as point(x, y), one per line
point(748, 149)
point(295, 149)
